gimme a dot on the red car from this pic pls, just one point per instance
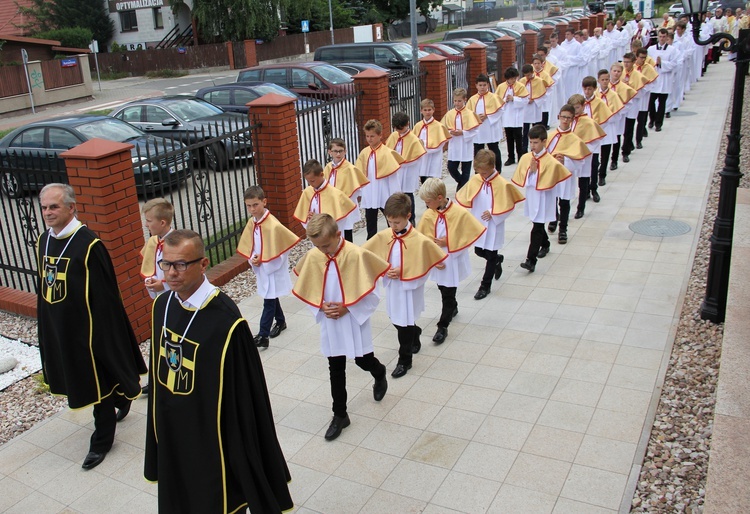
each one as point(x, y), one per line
point(446, 51)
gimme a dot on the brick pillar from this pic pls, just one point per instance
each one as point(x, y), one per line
point(593, 20)
point(547, 30)
point(506, 54)
point(477, 65)
point(602, 19)
point(101, 173)
point(531, 39)
point(585, 25)
point(278, 164)
point(251, 58)
point(575, 24)
point(436, 86)
point(374, 103)
point(561, 28)
point(230, 54)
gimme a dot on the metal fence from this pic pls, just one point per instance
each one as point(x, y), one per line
point(520, 54)
point(455, 72)
point(405, 91)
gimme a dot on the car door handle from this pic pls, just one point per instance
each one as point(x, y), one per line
point(148, 128)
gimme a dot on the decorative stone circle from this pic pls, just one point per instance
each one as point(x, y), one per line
point(7, 364)
point(659, 227)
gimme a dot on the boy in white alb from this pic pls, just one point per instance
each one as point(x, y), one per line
point(342, 175)
point(488, 108)
point(434, 136)
point(462, 124)
point(403, 141)
point(158, 214)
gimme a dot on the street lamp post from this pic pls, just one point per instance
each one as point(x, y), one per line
point(714, 305)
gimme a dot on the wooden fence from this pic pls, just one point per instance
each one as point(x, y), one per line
point(139, 62)
point(284, 46)
point(56, 75)
point(12, 81)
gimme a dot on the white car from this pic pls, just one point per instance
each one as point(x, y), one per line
point(676, 10)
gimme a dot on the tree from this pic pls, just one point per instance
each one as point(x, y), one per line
point(46, 15)
point(317, 12)
point(236, 20)
point(393, 10)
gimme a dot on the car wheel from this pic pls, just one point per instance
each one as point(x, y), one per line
point(11, 186)
point(215, 157)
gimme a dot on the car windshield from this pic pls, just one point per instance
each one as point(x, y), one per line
point(448, 50)
point(191, 109)
point(273, 88)
point(109, 128)
point(405, 51)
point(333, 75)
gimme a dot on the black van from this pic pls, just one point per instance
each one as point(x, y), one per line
point(390, 55)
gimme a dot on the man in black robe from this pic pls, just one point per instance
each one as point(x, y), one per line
point(211, 441)
point(88, 349)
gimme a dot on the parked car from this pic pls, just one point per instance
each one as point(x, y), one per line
point(676, 10)
point(512, 33)
point(519, 25)
point(391, 55)
point(448, 52)
point(191, 120)
point(41, 143)
point(554, 8)
point(304, 78)
point(352, 68)
point(460, 44)
point(486, 36)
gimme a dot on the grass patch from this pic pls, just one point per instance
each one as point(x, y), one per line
point(165, 74)
point(39, 386)
point(99, 112)
point(4, 133)
point(224, 250)
point(113, 75)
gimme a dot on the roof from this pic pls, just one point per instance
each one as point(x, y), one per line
point(31, 40)
point(10, 17)
point(452, 7)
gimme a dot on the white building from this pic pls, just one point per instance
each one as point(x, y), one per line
point(141, 24)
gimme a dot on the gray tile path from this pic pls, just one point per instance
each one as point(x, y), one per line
point(540, 401)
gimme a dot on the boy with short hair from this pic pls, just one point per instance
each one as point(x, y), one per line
point(601, 114)
point(266, 243)
point(514, 97)
point(454, 229)
point(488, 109)
point(541, 176)
point(591, 134)
point(342, 175)
point(403, 141)
point(532, 110)
point(629, 98)
point(491, 199)
point(615, 127)
point(411, 255)
point(337, 280)
point(434, 136)
point(319, 196)
point(380, 164)
point(462, 124)
point(158, 214)
point(538, 63)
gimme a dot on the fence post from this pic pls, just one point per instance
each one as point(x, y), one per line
point(436, 83)
point(374, 103)
point(593, 23)
point(585, 26)
point(230, 54)
point(602, 18)
point(561, 28)
point(101, 173)
point(575, 24)
point(547, 30)
point(506, 55)
point(477, 65)
point(531, 38)
point(251, 57)
point(277, 158)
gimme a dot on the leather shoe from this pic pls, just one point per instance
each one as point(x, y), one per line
point(552, 227)
point(93, 459)
point(595, 196)
point(613, 166)
point(579, 215)
point(658, 129)
point(645, 133)
point(639, 146)
point(261, 342)
point(562, 237)
point(668, 115)
point(379, 388)
point(276, 329)
point(122, 412)
point(499, 267)
point(543, 251)
point(400, 370)
point(440, 335)
point(528, 265)
point(651, 125)
point(481, 294)
point(145, 390)
point(603, 181)
point(509, 162)
point(626, 158)
point(337, 425)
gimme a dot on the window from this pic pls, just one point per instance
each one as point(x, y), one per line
point(302, 78)
point(384, 57)
point(32, 138)
point(249, 76)
point(128, 21)
point(277, 76)
point(130, 114)
point(156, 114)
point(242, 97)
point(220, 97)
point(158, 19)
point(62, 139)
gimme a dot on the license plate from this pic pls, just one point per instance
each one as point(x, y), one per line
point(179, 167)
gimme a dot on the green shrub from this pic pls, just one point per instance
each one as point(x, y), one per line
point(165, 74)
point(73, 37)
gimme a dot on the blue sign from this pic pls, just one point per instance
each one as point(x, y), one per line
point(181, 50)
point(305, 25)
point(69, 63)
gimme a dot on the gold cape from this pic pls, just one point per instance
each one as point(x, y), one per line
point(348, 177)
point(600, 113)
point(332, 201)
point(546, 78)
point(587, 129)
point(612, 100)
point(636, 80)
point(361, 271)
point(648, 72)
point(538, 87)
point(624, 91)
point(550, 68)
point(492, 103)
point(505, 196)
point(569, 145)
point(469, 120)
point(419, 254)
point(411, 149)
point(437, 134)
point(650, 61)
point(275, 238)
point(387, 162)
point(519, 90)
point(148, 252)
point(461, 228)
point(550, 171)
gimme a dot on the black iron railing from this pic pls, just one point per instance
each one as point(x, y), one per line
point(455, 74)
point(405, 91)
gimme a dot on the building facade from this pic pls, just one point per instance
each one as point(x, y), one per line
point(142, 24)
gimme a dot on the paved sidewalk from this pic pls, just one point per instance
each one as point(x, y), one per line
point(541, 400)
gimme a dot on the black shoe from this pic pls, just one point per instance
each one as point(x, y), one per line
point(613, 166)
point(261, 341)
point(440, 335)
point(625, 158)
point(379, 388)
point(337, 425)
point(552, 227)
point(145, 390)
point(93, 459)
point(602, 182)
point(639, 146)
point(651, 125)
point(509, 162)
point(276, 329)
point(562, 237)
point(122, 412)
point(645, 133)
point(595, 196)
point(658, 129)
point(543, 251)
point(579, 214)
point(400, 370)
point(528, 265)
point(667, 115)
point(499, 267)
point(481, 294)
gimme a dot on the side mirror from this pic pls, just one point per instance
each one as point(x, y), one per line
point(313, 86)
point(170, 122)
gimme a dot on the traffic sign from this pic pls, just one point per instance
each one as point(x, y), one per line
point(305, 25)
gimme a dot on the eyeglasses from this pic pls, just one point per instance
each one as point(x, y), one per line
point(565, 117)
point(337, 151)
point(179, 266)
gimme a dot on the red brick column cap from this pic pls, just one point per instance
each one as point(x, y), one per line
point(475, 46)
point(529, 33)
point(501, 39)
point(96, 149)
point(433, 57)
point(271, 100)
point(370, 74)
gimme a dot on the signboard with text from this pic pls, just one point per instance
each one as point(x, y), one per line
point(132, 5)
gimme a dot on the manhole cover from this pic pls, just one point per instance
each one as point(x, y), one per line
point(659, 227)
point(683, 113)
